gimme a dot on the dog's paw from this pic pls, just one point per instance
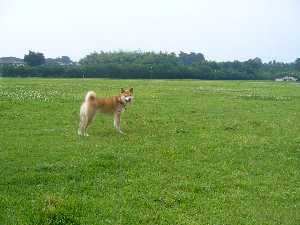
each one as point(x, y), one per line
point(121, 132)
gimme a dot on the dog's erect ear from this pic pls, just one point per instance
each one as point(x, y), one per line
point(122, 90)
point(131, 90)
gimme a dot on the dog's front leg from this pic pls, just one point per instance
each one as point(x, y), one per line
point(117, 121)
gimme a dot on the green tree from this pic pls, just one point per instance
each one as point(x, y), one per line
point(297, 64)
point(34, 58)
point(190, 58)
point(66, 60)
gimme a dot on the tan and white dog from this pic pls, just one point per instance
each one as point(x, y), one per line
point(112, 106)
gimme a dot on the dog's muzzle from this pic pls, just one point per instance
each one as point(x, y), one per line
point(128, 99)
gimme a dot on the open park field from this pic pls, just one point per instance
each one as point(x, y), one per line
point(195, 152)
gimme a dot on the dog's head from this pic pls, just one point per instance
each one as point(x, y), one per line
point(126, 95)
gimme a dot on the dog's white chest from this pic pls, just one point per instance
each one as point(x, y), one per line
point(120, 109)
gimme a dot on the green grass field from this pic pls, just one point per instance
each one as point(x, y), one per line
point(196, 152)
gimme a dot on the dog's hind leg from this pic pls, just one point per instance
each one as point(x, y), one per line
point(79, 132)
point(87, 115)
point(82, 118)
point(82, 125)
point(89, 119)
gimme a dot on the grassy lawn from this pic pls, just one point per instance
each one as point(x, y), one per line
point(196, 152)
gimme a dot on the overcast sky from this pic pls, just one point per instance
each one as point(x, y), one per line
point(220, 29)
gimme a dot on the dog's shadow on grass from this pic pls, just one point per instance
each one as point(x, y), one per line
point(107, 133)
point(103, 134)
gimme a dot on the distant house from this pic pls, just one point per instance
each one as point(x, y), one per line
point(11, 61)
point(287, 78)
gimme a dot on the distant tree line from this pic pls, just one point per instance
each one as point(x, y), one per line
point(151, 65)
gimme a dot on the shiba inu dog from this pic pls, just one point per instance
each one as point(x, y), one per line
point(112, 106)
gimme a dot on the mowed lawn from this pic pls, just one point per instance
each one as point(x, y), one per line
point(195, 152)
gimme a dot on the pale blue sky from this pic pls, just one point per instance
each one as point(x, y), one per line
point(220, 29)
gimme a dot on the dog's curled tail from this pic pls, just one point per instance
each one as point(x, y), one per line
point(90, 96)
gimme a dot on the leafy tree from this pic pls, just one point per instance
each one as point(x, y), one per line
point(66, 60)
point(191, 58)
point(297, 64)
point(34, 58)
